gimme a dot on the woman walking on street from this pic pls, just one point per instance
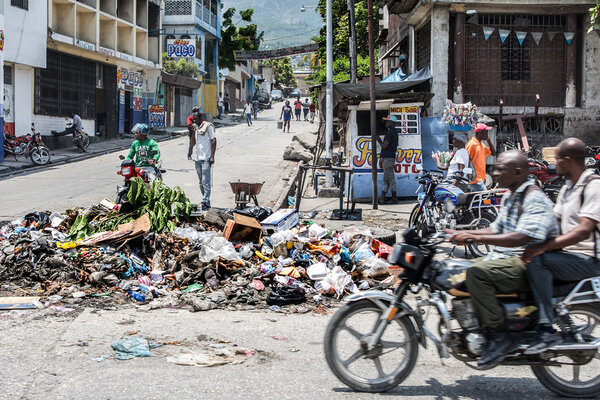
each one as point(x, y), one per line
point(248, 112)
point(298, 108)
point(286, 112)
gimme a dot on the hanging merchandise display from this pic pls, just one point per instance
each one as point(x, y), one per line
point(461, 114)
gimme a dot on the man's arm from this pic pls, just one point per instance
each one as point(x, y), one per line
point(490, 145)
point(154, 147)
point(512, 239)
point(280, 115)
point(213, 149)
point(132, 150)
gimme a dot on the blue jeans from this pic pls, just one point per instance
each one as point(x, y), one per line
point(477, 187)
point(220, 109)
point(255, 113)
point(203, 169)
point(249, 119)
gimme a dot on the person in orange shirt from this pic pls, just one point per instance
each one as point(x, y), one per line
point(478, 152)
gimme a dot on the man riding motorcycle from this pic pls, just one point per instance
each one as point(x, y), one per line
point(525, 218)
point(145, 150)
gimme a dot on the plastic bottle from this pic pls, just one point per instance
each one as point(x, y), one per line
point(137, 296)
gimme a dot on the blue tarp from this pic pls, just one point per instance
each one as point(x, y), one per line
point(396, 76)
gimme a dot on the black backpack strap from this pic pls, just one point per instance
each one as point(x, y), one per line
point(586, 182)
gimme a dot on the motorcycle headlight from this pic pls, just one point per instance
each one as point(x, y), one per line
point(449, 205)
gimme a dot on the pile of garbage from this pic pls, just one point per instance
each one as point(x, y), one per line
point(257, 259)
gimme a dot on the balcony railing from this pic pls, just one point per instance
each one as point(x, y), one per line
point(178, 7)
point(204, 14)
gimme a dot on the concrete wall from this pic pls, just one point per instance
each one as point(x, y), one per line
point(45, 124)
point(23, 98)
point(440, 42)
point(25, 34)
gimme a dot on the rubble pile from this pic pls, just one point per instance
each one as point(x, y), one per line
point(257, 259)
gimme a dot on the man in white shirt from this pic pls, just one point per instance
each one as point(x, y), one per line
point(248, 112)
point(573, 255)
point(460, 160)
point(220, 104)
point(204, 144)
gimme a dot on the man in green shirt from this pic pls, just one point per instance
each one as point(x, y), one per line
point(145, 150)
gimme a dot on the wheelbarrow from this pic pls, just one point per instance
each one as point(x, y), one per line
point(244, 192)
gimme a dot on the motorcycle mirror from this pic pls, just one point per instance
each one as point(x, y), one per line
point(468, 170)
point(121, 157)
point(590, 162)
point(419, 167)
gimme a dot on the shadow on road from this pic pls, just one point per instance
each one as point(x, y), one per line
point(474, 387)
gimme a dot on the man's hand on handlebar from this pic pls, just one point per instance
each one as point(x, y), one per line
point(460, 237)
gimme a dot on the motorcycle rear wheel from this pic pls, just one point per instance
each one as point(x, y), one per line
point(480, 250)
point(417, 221)
point(588, 316)
point(348, 358)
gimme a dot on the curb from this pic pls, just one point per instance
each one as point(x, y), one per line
point(86, 156)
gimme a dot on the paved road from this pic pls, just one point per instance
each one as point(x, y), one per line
point(246, 153)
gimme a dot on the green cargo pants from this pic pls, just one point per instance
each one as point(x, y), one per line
point(486, 278)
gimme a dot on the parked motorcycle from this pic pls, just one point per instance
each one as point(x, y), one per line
point(129, 171)
point(442, 205)
point(30, 145)
point(80, 138)
point(372, 343)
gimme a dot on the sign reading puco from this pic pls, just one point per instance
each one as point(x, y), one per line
point(181, 48)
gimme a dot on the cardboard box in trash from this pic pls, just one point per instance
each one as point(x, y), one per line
point(242, 229)
point(280, 220)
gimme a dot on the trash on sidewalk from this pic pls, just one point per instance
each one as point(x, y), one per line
point(127, 348)
point(242, 229)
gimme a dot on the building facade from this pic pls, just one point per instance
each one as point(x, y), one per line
point(488, 51)
point(197, 22)
point(103, 63)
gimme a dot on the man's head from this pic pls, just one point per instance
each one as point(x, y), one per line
point(570, 156)
point(389, 121)
point(220, 93)
point(140, 131)
point(199, 118)
point(481, 131)
point(71, 114)
point(459, 140)
point(511, 169)
point(195, 110)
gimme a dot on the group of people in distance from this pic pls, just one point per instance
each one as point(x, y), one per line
point(306, 107)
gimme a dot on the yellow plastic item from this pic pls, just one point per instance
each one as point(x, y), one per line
point(69, 245)
point(260, 255)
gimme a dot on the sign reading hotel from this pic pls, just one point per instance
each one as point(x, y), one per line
point(242, 55)
point(178, 48)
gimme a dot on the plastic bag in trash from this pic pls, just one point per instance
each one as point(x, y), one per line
point(218, 247)
point(336, 282)
point(281, 237)
point(353, 231)
point(257, 212)
point(37, 219)
point(283, 295)
point(316, 232)
point(127, 348)
point(246, 251)
point(361, 251)
point(193, 235)
point(375, 267)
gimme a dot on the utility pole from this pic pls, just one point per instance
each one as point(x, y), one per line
point(353, 60)
point(329, 98)
point(374, 157)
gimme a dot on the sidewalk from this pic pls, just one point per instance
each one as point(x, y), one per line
point(70, 154)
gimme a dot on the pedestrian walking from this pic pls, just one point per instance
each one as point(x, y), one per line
point(226, 103)
point(204, 145)
point(389, 147)
point(191, 131)
point(312, 108)
point(255, 107)
point(305, 107)
point(298, 108)
point(478, 152)
point(220, 105)
point(286, 113)
point(248, 112)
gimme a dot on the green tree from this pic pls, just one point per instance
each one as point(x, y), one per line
point(282, 71)
point(181, 67)
point(341, 40)
point(237, 38)
point(595, 17)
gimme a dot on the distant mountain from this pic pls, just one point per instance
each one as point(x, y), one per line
point(281, 20)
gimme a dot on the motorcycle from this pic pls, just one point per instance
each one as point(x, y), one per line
point(80, 139)
point(372, 342)
point(30, 145)
point(129, 171)
point(442, 205)
point(546, 177)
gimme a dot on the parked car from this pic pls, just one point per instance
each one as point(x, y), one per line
point(296, 93)
point(276, 95)
point(264, 100)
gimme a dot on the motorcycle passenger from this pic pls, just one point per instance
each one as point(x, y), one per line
point(460, 159)
point(573, 255)
point(525, 219)
point(142, 148)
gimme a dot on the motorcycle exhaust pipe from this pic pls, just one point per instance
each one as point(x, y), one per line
point(571, 347)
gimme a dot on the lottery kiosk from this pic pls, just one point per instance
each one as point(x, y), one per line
point(409, 154)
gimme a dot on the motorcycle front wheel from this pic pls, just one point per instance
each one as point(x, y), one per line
point(377, 370)
point(418, 221)
point(40, 156)
point(85, 140)
point(480, 250)
point(579, 376)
